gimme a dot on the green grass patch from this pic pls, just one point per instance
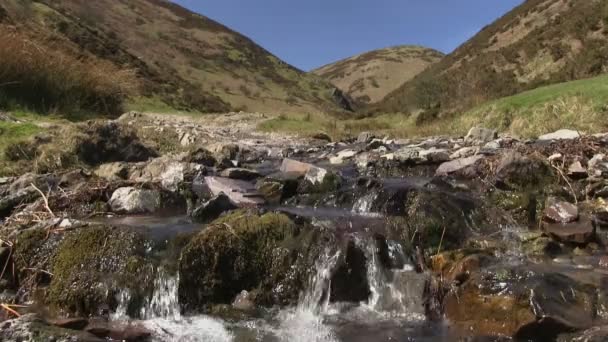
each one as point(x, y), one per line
point(581, 105)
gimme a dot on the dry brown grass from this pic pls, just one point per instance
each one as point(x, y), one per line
point(35, 75)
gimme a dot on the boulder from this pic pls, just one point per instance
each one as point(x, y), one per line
point(241, 193)
point(212, 209)
point(457, 165)
point(562, 134)
point(523, 172)
point(311, 173)
point(267, 255)
point(130, 200)
point(434, 155)
point(240, 173)
point(598, 165)
point(481, 135)
point(202, 156)
point(365, 137)
point(168, 170)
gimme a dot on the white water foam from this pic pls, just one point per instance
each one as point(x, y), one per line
point(192, 329)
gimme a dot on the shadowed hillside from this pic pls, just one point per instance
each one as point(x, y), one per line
point(182, 59)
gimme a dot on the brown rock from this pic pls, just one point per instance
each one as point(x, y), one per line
point(580, 232)
point(561, 212)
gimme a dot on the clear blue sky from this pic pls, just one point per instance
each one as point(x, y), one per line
point(311, 33)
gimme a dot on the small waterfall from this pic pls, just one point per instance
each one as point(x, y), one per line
point(305, 322)
point(394, 292)
point(164, 302)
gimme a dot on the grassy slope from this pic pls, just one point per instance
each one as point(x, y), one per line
point(581, 105)
point(540, 42)
point(370, 76)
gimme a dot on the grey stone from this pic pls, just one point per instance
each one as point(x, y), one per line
point(341, 156)
point(561, 212)
point(457, 165)
point(130, 200)
point(465, 152)
point(240, 192)
point(562, 134)
point(365, 137)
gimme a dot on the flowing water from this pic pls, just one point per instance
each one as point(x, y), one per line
point(394, 311)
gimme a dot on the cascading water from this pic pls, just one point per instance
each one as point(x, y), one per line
point(164, 302)
point(394, 292)
point(305, 322)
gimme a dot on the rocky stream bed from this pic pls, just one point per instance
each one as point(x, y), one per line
point(243, 236)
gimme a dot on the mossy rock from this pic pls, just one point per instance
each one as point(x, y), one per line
point(93, 264)
point(34, 250)
point(266, 254)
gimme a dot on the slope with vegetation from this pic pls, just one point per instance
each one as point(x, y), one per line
point(181, 59)
point(369, 77)
point(540, 42)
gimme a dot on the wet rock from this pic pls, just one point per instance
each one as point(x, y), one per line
point(130, 200)
point(365, 137)
point(77, 323)
point(213, 208)
point(244, 301)
point(580, 232)
point(481, 135)
point(561, 212)
point(595, 334)
point(119, 332)
point(113, 171)
point(240, 173)
point(32, 328)
point(577, 171)
point(457, 165)
point(268, 255)
point(241, 193)
point(349, 282)
point(562, 134)
point(520, 303)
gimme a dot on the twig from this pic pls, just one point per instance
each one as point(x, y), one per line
point(8, 260)
point(8, 308)
point(39, 270)
point(44, 198)
point(567, 182)
point(441, 241)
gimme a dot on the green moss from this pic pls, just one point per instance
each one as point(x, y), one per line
point(92, 264)
point(266, 253)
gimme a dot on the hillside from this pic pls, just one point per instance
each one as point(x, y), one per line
point(540, 42)
point(369, 77)
point(183, 59)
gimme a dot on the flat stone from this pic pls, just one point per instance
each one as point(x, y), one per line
point(292, 166)
point(465, 152)
point(457, 165)
point(580, 232)
point(240, 173)
point(577, 171)
point(481, 135)
point(78, 323)
point(562, 134)
point(342, 156)
point(240, 192)
point(561, 212)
